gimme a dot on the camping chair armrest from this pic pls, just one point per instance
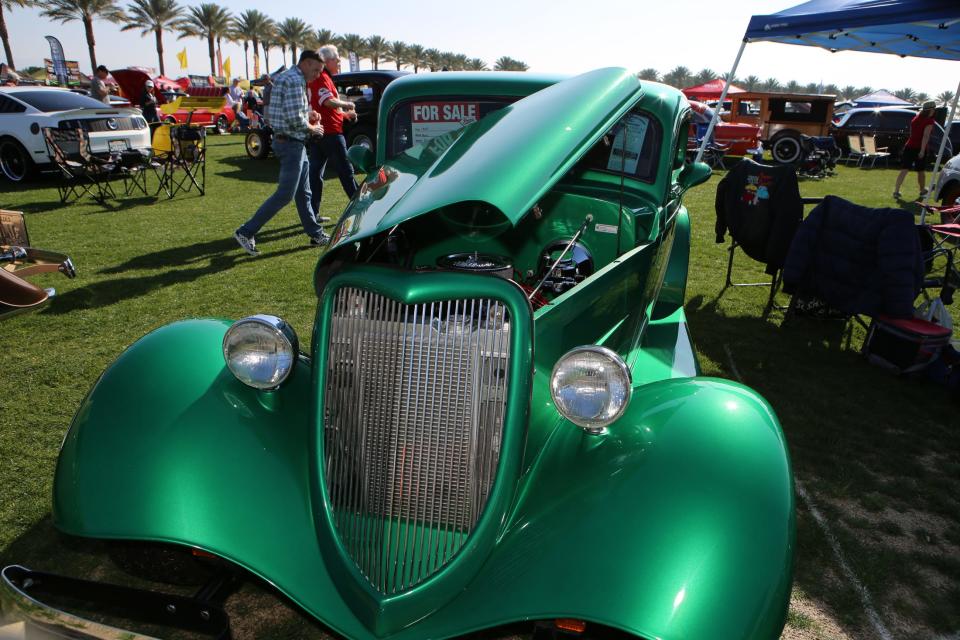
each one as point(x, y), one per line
point(811, 200)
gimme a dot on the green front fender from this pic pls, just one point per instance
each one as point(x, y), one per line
point(169, 446)
point(677, 523)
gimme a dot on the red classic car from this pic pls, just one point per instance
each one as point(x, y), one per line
point(739, 138)
point(208, 112)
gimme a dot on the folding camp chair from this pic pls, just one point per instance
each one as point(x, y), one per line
point(67, 149)
point(761, 207)
point(871, 152)
point(18, 260)
point(185, 161)
point(855, 154)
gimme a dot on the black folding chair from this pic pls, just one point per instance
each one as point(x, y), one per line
point(132, 167)
point(76, 177)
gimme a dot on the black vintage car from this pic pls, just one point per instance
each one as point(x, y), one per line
point(364, 88)
point(890, 127)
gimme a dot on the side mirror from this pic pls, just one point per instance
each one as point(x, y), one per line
point(694, 173)
point(362, 158)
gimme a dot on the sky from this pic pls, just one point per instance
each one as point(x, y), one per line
point(550, 36)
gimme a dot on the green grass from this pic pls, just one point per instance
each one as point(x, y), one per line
point(879, 454)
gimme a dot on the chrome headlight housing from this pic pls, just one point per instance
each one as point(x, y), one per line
point(261, 351)
point(591, 387)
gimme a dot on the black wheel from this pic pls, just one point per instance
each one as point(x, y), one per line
point(364, 137)
point(786, 150)
point(222, 125)
point(257, 145)
point(15, 162)
point(157, 562)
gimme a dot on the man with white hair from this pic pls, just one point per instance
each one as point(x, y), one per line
point(332, 146)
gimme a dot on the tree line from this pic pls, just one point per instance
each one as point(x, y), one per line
point(681, 77)
point(214, 23)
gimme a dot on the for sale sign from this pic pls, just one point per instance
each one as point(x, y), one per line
point(431, 119)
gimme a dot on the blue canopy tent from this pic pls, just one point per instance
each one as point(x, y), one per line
point(918, 28)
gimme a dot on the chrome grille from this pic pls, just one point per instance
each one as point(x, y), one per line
point(413, 414)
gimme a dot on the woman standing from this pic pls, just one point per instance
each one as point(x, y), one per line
point(915, 150)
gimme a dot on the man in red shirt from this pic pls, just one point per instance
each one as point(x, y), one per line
point(914, 151)
point(332, 147)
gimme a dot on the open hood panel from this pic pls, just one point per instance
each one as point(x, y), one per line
point(508, 160)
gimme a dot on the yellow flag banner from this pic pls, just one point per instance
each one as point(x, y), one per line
point(182, 57)
point(226, 69)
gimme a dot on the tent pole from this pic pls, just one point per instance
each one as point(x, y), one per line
point(943, 145)
point(723, 95)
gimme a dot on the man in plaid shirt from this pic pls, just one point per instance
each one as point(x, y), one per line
point(292, 121)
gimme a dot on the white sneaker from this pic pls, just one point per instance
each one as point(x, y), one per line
point(247, 244)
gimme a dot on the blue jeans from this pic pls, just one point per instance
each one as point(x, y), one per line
point(332, 148)
point(292, 184)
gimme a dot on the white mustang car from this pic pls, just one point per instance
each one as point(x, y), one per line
point(24, 111)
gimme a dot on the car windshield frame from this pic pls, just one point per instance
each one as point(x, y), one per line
point(52, 101)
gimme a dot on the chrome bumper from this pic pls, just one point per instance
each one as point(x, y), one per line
point(23, 616)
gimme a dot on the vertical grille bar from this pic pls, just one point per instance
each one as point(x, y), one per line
point(414, 409)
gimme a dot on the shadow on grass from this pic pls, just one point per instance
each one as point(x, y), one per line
point(250, 170)
point(220, 255)
point(876, 452)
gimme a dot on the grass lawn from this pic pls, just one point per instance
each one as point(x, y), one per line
point(878, 457)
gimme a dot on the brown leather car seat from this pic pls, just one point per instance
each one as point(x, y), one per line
point(17, 293)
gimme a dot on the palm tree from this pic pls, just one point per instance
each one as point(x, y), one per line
point(268, 39)
point(812, 87)
point(415, 56)
point(832, 89)
point(792, 87)
point(476, 64)
point(9, 5)
point(293, 32)
point(84, 11)
point(751, 83)
point(376, 48)
point(325, 36)
point(849, 92)
point(865, 90)
point(704, 75)
point(945, 98)
point(209, 21)
point(396, 52)
point(251, 26)
point(458, 62)
point(906, 94)
point(154, 16)
point(678, 77)
point(649, 74)
point(433, 59)
point(506, 63)
point(771, 84)
point(355, 43)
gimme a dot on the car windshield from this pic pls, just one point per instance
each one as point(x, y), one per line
point(48, 101)
point(416, 122)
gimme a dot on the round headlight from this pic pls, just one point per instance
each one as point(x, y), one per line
point(591, 387)
point(260, 351)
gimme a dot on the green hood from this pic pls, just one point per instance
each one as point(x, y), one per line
point(508, 160)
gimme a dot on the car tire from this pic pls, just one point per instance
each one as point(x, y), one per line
point(15, 163)
point(257, 144)
point(363, 137)
point(222, 125)
point(166, 563)
point(950, 194)
point(786, 150)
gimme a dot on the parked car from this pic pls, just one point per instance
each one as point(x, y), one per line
point(218, 117)
point(890, 127)
point(737, 138)
point(948, 183)
point(500, 418)
point(783, 118)
point(24, 111)
point(363, 88)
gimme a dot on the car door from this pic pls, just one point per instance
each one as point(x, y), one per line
point(893, 130)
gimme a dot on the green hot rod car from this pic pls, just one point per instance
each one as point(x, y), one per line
point(500, 417)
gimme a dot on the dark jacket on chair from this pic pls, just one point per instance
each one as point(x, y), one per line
point(856, 259)
point(761, 206)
